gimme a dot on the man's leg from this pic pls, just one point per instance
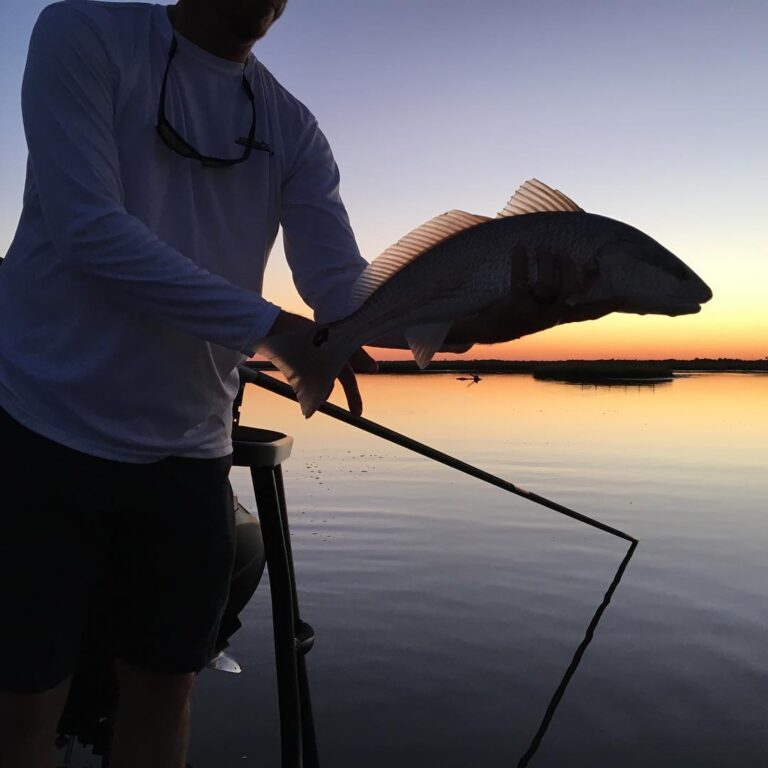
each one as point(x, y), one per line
point(28, 727)
point(176, 547)
point(50, 555)
point(152, 728)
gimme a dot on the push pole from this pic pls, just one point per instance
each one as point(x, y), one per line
point(254, 376)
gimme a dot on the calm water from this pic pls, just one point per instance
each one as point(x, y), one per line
point(447, 611)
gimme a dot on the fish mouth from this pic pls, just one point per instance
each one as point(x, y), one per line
point(687, 308)
point(672, 304)
point(689, 301)
point(669, 308)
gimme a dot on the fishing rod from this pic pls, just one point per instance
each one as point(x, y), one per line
point(254, 376)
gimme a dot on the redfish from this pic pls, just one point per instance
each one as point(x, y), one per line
point(458, 264)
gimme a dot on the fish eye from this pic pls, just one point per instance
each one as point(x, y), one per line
point(657, 257)
point(679, 271)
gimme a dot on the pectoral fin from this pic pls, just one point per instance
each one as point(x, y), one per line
point(584, 293)
point(424, 340)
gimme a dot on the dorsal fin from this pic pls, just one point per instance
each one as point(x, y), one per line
point(534, 196)
point(409, 248)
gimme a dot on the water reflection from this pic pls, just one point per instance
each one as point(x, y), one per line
point(573, 666)
point(277, 387)
point(647, 385)
point(446, 610)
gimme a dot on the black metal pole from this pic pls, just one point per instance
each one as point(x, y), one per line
point(309, 754)
point(271, 384)
point(288, 692)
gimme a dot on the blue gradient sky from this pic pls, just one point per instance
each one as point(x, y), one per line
point(652, 113)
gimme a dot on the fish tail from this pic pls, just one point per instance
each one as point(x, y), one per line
point(310, 359)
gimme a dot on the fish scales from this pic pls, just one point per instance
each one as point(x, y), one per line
point(464, 274)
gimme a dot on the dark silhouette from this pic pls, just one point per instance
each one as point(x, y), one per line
point(472, 379)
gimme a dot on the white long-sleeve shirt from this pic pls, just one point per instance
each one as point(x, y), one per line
point(132, 289)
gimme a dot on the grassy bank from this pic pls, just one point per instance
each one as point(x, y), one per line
point(600, 369)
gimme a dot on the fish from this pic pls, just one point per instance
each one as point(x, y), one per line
point(458, 264)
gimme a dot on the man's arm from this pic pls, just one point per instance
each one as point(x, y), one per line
point(68, 97)
point(320, 246)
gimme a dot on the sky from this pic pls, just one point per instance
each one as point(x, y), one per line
point(652, 113)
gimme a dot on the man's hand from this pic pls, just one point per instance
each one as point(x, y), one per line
point(528, 311)
point(360, 361)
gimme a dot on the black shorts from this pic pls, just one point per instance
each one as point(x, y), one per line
point(156, 540)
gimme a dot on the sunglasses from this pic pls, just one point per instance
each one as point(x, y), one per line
point(175, 141)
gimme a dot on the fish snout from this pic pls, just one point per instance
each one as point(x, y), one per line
point(691, 286)
point(696, 288)
point(689, 301)
point(706, 292)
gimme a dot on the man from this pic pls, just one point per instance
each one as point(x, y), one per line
point(129, 295)
point(162, 158)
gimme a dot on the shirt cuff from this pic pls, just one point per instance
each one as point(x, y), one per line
point(264, 323)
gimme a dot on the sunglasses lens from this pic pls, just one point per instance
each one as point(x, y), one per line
point(215, 162)
point(173, 141)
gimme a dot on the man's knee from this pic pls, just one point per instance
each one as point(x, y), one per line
point(155, 688)
point(30, 718)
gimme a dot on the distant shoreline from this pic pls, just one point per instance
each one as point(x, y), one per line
point(575, 371)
